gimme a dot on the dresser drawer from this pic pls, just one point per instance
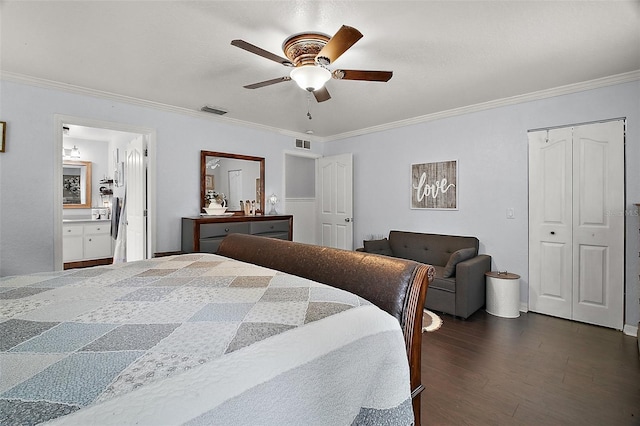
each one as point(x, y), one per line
point(278, 235)
point(269, 226)
point(205, 234)
point(210, 245)
point(208, 230)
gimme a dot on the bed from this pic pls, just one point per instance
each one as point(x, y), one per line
point(199, 339)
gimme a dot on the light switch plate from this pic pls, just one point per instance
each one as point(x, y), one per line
point(511, 214)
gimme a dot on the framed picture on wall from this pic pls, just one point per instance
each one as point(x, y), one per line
point(3, 135)
point(435, 185)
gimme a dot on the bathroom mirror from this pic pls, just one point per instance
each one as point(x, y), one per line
point(238, 177)
point(76, 184)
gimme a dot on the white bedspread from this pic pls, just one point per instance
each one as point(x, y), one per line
point(196, 339)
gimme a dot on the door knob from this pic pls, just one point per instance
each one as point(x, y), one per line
point(553, 232)
point(348, 219)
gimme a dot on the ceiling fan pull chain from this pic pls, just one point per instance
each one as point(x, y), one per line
point(309, 106)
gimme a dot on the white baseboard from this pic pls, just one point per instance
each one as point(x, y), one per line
point(630, 330)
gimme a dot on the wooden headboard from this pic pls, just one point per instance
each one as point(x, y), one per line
point(397, 286)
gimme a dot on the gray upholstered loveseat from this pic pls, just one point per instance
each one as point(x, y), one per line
point(459, 286)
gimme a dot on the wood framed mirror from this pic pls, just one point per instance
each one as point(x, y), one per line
point(76, 184)
point(238, 177)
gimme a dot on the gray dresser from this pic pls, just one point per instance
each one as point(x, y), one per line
point(204, 233)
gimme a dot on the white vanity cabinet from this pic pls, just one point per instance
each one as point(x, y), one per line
point(86, 240)
point(72, 236)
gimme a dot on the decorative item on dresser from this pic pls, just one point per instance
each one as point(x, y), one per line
point(204, 234)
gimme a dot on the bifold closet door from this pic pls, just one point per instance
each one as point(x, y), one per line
point(576, 236)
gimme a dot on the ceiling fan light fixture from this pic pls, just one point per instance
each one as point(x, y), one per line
point(310, 77)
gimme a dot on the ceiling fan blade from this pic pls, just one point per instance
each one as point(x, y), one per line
point(362, 75)
point(267, 82)
point(322, 94)
point(338, 44)
point(261, 52)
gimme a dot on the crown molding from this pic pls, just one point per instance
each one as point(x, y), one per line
point(70, 88)
point(542, 94)
point(533, 96)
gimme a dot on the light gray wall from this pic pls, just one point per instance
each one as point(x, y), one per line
point(27, 166)
point(491, 149)
point(301, 178)
point(490, 146)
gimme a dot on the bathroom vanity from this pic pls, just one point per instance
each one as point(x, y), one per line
point(86, 240)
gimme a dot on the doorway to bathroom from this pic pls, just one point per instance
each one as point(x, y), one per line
point(122, 158)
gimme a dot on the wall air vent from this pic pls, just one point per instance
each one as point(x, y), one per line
point(213, 110)
point(303, 144)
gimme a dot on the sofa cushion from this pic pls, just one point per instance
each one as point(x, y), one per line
point(455, 258)
point(432, 249)
point(441, 282)
point(378, 247)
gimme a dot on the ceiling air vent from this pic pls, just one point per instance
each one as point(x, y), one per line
point(213, 110)
point(303, 144)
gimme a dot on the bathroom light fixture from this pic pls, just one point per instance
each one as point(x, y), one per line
point(310, 77)
point(75, 152)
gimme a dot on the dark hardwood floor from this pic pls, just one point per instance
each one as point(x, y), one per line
point(531, 370)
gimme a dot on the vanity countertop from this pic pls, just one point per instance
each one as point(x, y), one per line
point(84, 220)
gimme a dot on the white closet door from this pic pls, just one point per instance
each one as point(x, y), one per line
point(598, 224)
point(550, 222)
point(576, 225)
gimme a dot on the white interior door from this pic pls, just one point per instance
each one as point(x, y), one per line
point(576, 248)
point(235, 189)
point(550, 222)
point(335, 215)
point(598, 232)
point(135, 178)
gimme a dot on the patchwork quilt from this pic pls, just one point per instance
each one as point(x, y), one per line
point(196, 339)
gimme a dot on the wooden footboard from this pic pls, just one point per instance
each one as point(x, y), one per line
point(395, 285)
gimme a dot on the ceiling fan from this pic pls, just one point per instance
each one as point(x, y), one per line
point(309, 54)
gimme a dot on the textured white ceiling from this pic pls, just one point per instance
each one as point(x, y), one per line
point(444, 54)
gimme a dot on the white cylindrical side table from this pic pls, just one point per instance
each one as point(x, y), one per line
point(503, 294)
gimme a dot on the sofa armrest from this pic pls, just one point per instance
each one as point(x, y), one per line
point(470, 284)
